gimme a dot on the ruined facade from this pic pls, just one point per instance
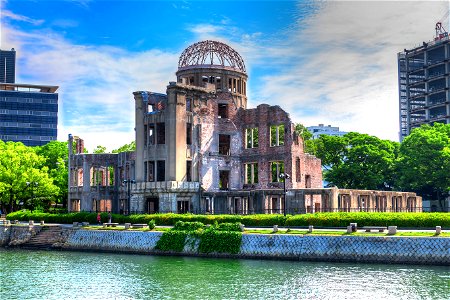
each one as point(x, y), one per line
point(200, 149)
point(96, 181)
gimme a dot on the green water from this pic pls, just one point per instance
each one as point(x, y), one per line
point(79, 275)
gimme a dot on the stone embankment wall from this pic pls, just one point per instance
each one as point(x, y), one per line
point(413, 250)
point(17, 235)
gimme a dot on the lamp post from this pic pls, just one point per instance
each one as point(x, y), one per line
point(284, 176)
point(32, 184)
point(128, 183)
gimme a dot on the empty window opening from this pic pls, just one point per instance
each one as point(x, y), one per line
point(276, 168)
point(111, 175)
point(145, 135)
point(204, 79)
point(188, 170)
point(230, 84)
point(223, 111)
point(151, 171)
point(274, 207)
point(76, 205)
point(150, 108)
point(151, 134)
point(182, 207)
point(224, 177)
point(188, 104)
point(298, 175)
point(308, 181)
point(161, 133)
point(224, 144)
point(277, 135)
point(251, 173)
point(191, 80)
point(188, 133)
point(251, 137)
point(145, 169)
point(161, 170)
point(218, 83)
point(152, 205)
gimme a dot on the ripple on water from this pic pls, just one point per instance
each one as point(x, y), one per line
point(82, 275)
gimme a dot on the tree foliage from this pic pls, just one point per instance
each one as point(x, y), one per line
point(357, 161)
point(24, 178)
point(424, 161)
point(306, 135)
point(125, 148)
point(56, 155)
point(99, 150)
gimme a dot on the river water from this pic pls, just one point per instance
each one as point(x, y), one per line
point(81, 275)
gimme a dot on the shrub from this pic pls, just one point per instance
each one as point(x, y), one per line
point(228, 227)
point(188, 226)
point(151, 224)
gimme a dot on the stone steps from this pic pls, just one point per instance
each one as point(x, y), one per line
point(45, 239)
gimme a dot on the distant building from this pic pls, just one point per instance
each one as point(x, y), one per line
point(423, 78)
point(327, 130)
point(8, 66)
point(28, 112)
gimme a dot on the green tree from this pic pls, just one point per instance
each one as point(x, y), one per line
point(20, 165)
point(357, 161)
point(56, 154)
point(99, 150)
point(306, 135)
point(125, 148)
point(424, 161)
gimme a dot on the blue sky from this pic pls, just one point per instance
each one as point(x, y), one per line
point(330, 62)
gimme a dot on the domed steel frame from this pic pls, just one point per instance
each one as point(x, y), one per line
point(213, 53)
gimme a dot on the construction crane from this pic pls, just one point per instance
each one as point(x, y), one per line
point(440, 30)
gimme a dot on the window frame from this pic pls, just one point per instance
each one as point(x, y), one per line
point(277, 137)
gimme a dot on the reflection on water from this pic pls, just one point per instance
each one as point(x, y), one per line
point(79, 275)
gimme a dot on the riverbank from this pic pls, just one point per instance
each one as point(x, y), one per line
point(372, 249)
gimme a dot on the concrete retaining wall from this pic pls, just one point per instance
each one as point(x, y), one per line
point(413, 250)
point(16, 235)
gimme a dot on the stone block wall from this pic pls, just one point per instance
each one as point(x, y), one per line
point(413, 250)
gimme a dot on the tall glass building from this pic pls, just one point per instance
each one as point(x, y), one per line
point(28, 113)
point(8, 66)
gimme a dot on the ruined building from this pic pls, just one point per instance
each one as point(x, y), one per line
point(200, 149)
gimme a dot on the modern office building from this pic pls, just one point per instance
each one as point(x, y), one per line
point(8, 66)
point(327, 130)
point(28, 113)
point(423, 78)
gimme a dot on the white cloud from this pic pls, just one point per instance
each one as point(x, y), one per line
point(10, 15)
point(343, 67)
point(96, 83)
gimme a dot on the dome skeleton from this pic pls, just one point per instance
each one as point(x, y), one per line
point(216, 53)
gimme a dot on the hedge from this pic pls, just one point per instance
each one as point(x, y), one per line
point(318, 219)
point(371, 219)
